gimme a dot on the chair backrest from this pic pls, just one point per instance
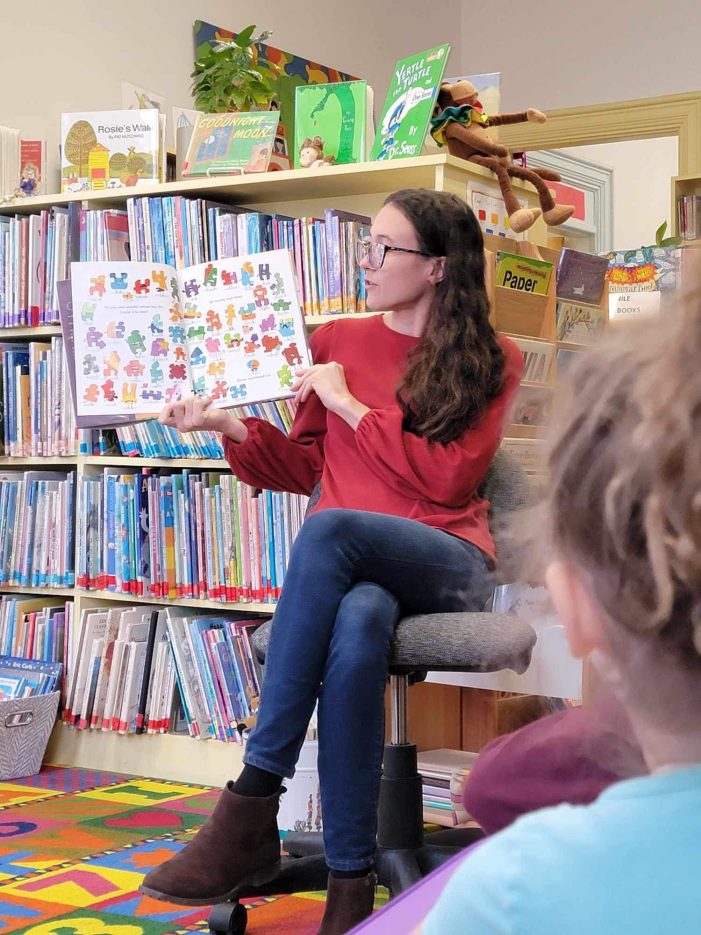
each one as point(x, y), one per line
point(508, 489)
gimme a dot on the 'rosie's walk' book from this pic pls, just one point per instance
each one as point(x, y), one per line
point(140, 335)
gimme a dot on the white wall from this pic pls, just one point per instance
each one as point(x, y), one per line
point(641, 191)
point(561, 53)
point(72, 55)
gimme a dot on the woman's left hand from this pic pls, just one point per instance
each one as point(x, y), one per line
point(328, 381)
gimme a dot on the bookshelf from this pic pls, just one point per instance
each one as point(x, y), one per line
point(360, 188)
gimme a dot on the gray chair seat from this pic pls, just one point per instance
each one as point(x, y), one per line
point(459, 642)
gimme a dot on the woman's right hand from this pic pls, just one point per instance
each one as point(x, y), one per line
point(195, 414)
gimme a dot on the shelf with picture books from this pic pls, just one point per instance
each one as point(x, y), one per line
point(553, 304)
point(227, 559)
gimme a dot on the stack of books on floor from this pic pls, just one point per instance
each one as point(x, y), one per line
point(443, 776)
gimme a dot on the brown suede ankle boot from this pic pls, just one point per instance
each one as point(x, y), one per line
point(349, 900)
point(237, 845)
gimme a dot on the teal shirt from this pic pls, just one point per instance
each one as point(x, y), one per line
point(628, 864)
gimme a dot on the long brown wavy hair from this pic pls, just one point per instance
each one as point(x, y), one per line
point(457, 367)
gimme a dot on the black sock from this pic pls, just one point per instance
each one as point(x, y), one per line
point(257, 782)
point(351, 874)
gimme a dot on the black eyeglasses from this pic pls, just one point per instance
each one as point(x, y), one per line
point(376, 252)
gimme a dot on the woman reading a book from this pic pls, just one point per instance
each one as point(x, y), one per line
point(621, 536)
point(398, 420)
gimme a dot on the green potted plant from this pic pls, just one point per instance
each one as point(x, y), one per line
point(231, 75)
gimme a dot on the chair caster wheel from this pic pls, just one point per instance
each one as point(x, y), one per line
point(228, 919)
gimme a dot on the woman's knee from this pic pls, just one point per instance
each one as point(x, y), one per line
point(327, 526)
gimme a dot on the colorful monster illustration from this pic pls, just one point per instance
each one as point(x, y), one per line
point(210, 276)
point(93, 338)
point(270, 343)
point(87, 312)
point(177, 372)
point(108, 391)
point(219, 389)
point(228, 278)
point(156, 372)
point(134, 368)
point(136, 341)
point(129, 393)
point(286, 327)
point(285, 375)
point(156, 325)
point(90, 365)
point(291, 354)
point(213, 321)
point(247, 273)
point(116, 329)
point(159, 347)
point(111, 363)
point(159, 280)
point(142, 286)
point(97, 285)
point(268, 324)
point(260, 294)
point(238, 392)
point(91, 393)
point(118, 281)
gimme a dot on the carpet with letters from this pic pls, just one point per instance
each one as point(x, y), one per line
point(75, 843)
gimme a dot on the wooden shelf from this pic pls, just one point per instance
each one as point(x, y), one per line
point(49, 461)
point(326, 182)
point(43, 592)
point(26, 331)
point(117, 596)
point(177, 757)
point(206, 464)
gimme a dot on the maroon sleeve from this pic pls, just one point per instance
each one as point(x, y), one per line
point(446, 474)
point(268, 458)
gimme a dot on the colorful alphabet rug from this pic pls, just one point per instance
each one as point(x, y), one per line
point(75, 844)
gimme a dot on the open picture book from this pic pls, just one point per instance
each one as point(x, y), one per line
point(140, 335)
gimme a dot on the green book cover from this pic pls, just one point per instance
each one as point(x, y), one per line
point(221, 143)
point(332, 120)
point(523, 273)
point(409, 104)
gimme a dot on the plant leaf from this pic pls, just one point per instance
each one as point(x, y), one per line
point(660, 232)
point(244, 37)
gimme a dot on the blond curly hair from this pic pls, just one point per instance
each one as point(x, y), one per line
point(623, 493)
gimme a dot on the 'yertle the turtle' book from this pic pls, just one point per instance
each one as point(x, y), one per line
point(409, 104)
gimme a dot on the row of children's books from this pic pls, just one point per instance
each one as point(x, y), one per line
point(36, 249)
point(183, 232)
point(184, 535)
point(147, 669)
point(36, 529)
point(34, 628)
point(22, 677)
point(38, 416)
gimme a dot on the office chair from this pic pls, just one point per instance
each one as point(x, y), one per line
point(443, 642)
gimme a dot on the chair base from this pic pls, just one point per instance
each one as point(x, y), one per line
point(404, 854)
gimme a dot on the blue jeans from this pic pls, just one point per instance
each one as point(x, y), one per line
point(351, 575)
